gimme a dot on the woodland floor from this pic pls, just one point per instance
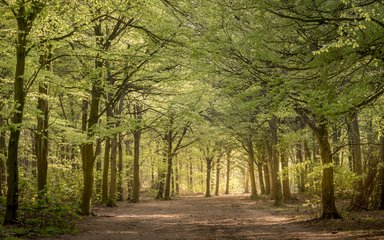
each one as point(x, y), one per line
point(224, 217)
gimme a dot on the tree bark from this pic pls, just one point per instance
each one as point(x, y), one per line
point(167, 189)
point(284, 166)
point(246, 179)
point(329, 210)
point(162, 172)
point(41, 137)
point(251, 168)
point(218, 167)
point(177, 177)
point(336, 138)
point(136, 166)
point(24, 20)
point(113, 183)
point(299, 156)
point(261, 178)
point(120, 189)
point(107, 149)
point(228, 173)
point(3, 157)
point(356, 150)
point(365, 188)
point(266, 178)
point(208, 161)
point(276, 182)
point(381, 206)
point(190, 179)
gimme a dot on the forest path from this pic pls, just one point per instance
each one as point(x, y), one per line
point(198, 218)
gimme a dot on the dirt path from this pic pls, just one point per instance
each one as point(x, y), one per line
point(227, 217)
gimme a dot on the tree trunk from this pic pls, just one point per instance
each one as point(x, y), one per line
point(251, 168)
point(356, 150)
point(41, 137)
point(190, 178)
point(120, 189)
point(329, 210)
point(88, 155)
point(177, 177)
point(228, 173)
point(217, 176)
point(267, 179)
point(136, 166)
point(113, 183)
point(299, 156)
point(261, 178)
point(162, 173)
point(99, 169)
point(3, 156)
point(361, 200)
point(276, 182)
point(246, 180)
point(381, 206)
point(284, 166)
point(365, 188)
point(104, 196)
point(208, 161)
point(336, 138)
point(12, 203)
point(167, 189)
point(129, 169)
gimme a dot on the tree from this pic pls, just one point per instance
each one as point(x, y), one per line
point(25, 14)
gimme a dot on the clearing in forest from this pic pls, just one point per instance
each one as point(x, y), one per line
point(225, 217)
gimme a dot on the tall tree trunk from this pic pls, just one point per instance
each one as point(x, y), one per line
point(208, 161)
point(129, 168)
point(365, 188)
point(99, 169)
point(107, 149)
point(267, 179)
point(276, 182)
point(246, 179)
point(320, 129)
point(329, 210)
point(218, 167)
point(177, 177)
point(136, 166)
point(88, 155)
point(3, 157)
point(202, 176)
point(381, 206)
point(24, 27)
point(41, 137)
point(336, 138)
point(120, 189)
point(113, 183)
point(167, 189)
point(162, 173)
point(251, 168)
point(285, 175)
point(228, 173)
point(190, 176)
point(299, 156)
point(356, 150)
point(261, 178)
